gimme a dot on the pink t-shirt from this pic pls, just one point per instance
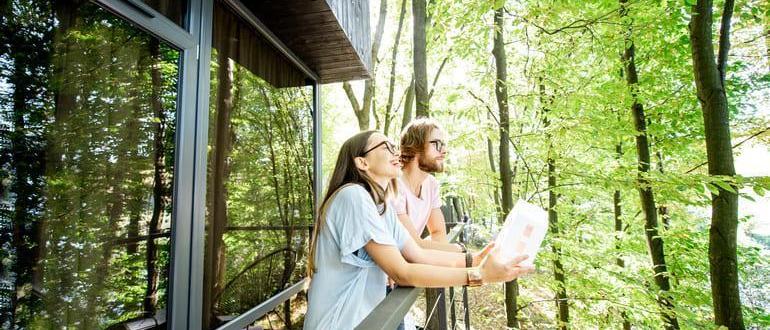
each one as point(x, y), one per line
point(418, 208)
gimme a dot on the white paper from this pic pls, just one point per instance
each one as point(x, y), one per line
point(523, 232)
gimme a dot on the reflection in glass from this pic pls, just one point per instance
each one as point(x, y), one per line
point(259, 199)
point(87, 108)
point(175, 10)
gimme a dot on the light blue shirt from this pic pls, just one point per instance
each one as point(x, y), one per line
point(347, 286)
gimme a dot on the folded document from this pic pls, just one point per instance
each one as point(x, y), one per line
point(523, 232)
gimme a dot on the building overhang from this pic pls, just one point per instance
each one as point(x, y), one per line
point(332, 37)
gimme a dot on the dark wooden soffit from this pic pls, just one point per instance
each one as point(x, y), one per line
point(330, 36)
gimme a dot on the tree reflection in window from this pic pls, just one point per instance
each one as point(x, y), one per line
point(260, 188)
point(87, 129)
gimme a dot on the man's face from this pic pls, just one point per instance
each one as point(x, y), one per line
point(431, 160)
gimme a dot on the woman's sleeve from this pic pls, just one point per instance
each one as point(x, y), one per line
point(354, 221)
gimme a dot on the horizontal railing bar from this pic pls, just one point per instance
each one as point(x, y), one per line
point(259, 228)
point(391, 310)
point(243, 320)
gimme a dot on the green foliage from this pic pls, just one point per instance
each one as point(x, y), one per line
point(574, 51)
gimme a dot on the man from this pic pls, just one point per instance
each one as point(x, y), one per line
point(423, 148)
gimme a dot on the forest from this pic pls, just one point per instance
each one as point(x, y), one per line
point(641, 126)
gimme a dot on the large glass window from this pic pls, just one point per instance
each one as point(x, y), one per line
point(174, 10)
point(87, 125)
point(259, 198)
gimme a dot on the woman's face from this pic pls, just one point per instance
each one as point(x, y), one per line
point(381, 159)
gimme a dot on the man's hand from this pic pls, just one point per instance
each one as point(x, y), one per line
point(479, 256)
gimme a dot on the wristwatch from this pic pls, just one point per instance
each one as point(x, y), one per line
point(474, 277)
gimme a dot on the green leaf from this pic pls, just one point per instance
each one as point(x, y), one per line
point(712, 188)
point(758, 190)
point(724, 185)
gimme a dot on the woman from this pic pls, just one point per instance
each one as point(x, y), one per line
point(358, 242)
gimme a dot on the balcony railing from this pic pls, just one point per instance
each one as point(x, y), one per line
point(391, 311)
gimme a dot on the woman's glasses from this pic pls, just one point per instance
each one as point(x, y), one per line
point(392, 148)
point(439, 144)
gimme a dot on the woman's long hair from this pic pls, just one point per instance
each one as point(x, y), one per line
point(346, 172)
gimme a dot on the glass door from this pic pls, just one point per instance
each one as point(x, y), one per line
point(94, 120)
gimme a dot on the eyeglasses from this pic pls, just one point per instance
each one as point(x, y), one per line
point(439, 144)
point(392, 148)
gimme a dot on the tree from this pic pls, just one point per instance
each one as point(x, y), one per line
point(712, 95)
point(646, 196)
point(420, 44)
point(363, 110)
point(501, 93)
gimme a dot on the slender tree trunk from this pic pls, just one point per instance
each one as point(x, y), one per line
point(363, 111)
point(419, 14)
point(217, 196)
point(662, 208)
point(159, 195)
point(562, 304)
point(408, 105)
point(491, 156)
point(27, 165)
point(393, 60)
point(501, 92)
point(616, 200)
point(710, 85)
point(646, 196)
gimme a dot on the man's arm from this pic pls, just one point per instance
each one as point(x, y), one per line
point(427, 244)
point(437, 226)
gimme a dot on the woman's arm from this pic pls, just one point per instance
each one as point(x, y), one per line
point(424, 243)
point(404, 273)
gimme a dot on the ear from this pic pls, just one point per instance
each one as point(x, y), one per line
point(361, 163)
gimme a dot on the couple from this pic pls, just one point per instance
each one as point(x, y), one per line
point(366, 231)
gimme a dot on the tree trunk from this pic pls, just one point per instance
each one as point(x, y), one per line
point(26, 166)
point(491, 156)
point(709, 82)
point(217, 195)
point(501, 92)
point(159, 182)
point(393, 59)
point(662, 208)
point(419, 14)
point(364, 110)
point(647, 199)
point(408, 105)
point(619, 233)
point(562, 304)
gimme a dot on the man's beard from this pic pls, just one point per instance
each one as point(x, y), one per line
point(430, 166)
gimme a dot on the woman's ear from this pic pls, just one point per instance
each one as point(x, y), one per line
point(361, 163)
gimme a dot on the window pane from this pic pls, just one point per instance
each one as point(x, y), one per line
point(175, 10)
point(87, 109)
point(260, 191)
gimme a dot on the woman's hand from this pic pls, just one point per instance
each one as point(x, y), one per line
point(479, 256)
point(494, 269)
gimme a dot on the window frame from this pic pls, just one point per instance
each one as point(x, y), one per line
point(185, 297)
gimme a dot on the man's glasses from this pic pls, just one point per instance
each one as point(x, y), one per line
point(392, 148)
point(439, 144)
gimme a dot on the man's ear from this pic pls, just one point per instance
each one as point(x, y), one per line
point(361, 163)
